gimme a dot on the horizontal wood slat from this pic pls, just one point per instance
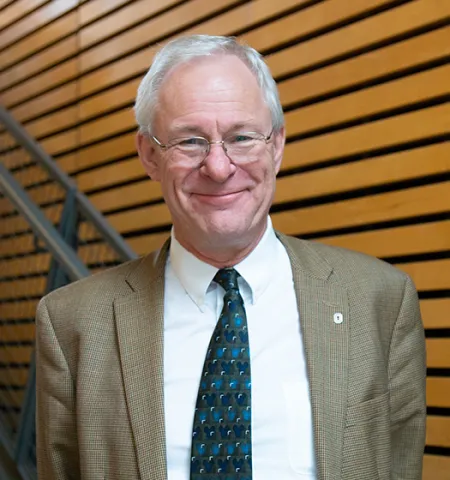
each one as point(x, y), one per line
point(436, 312)
point(376, 208)
point(438, 431)
point(39, 263)
point(435, 467)
point(92, 10)
point(17, 377)
point(437, 353)
point(17, 333)
point(19, 310)
point(430, 275)
point(15, 354)
point(29, 287)
point(389, 242)
point(438, 392)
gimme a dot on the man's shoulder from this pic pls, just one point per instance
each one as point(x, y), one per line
point(345, 263)
point(101, 287)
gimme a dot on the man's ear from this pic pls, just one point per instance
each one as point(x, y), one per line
point(279, 139)
point(148, 156)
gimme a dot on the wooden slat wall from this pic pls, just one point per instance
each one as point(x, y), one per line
point(365, 86)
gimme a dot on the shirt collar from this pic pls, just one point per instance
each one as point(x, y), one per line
point(256, 269)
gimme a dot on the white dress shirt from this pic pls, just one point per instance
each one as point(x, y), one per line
point(282, 434)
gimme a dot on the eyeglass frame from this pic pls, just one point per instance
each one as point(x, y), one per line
point(167, 146)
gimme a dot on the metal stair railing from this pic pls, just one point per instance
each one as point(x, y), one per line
point(50, 235)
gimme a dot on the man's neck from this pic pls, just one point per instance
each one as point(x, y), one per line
point(221, 257)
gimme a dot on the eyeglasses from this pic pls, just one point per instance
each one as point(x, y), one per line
point(241, 147)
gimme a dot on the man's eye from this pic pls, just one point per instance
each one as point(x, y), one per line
point(191, 142)
point(241, 138)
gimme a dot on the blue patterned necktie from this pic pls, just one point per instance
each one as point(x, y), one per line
point(221, 439)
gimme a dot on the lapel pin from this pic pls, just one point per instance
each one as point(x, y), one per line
point(338, 318)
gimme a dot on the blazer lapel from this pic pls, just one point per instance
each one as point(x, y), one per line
point(140, 331)
point(324, 316)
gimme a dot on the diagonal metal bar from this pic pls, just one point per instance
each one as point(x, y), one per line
point(42, 157)
point(41, 226)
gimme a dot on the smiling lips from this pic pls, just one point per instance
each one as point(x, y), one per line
point(221, 199)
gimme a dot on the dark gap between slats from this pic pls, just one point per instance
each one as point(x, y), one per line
point(11, 387)
point(441, 451)
point(437, 333)
point(25, 298)
point(14, 365)
point(15, 321)
point(11, 278)
point(433, 294)
point(147, 231)
point(16, 343)
point(9, 409)
point(440, 411)
point(418, 257)
point(438, 372)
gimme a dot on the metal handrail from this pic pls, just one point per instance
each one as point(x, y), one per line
point(43, 158)
point(42, 227)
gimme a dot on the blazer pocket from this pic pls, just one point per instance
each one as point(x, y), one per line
point(366, 411)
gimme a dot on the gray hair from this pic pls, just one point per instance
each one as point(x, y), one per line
point(185, 49)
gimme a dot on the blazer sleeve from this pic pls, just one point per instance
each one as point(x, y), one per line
point(56, 433)
point(407, 379)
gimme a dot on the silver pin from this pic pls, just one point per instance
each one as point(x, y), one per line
point(338, 318)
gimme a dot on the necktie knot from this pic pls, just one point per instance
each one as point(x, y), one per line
point(227, 278)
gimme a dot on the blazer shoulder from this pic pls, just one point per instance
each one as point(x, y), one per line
point(102, 287)
point(347, 265)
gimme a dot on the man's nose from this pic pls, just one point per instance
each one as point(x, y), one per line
point(217, 165)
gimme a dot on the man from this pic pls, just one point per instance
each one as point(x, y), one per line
point(315, 364)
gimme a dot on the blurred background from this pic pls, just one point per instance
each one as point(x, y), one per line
point(365, 85)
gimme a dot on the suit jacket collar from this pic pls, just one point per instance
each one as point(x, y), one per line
point(321, 303)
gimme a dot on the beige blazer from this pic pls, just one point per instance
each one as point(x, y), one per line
point(100, 402)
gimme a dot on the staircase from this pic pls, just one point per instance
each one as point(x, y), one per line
point(50, 235)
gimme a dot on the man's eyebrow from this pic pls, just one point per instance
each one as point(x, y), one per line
point(197, 130)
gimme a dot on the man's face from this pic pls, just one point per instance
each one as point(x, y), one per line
point(219, 203)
